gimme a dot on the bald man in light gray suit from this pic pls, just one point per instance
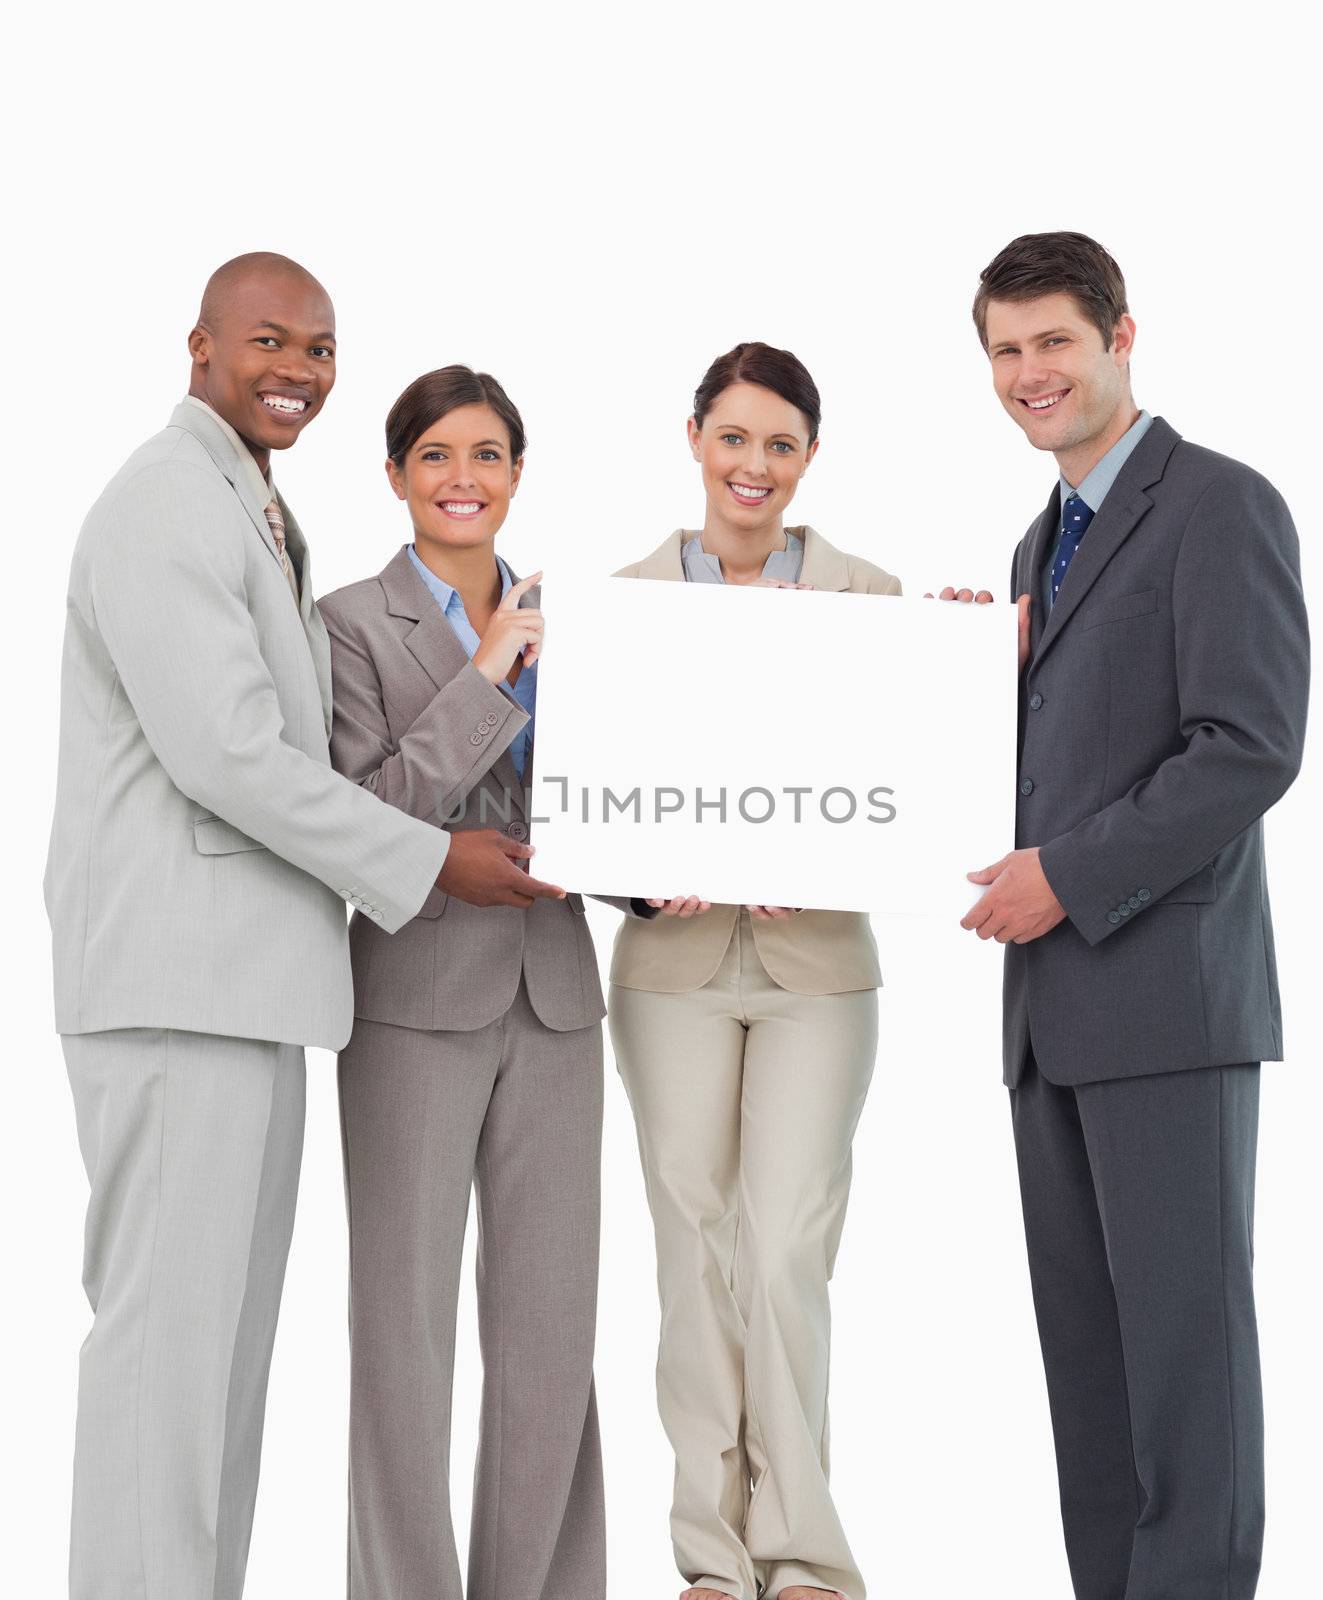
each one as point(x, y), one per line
point(201, 857)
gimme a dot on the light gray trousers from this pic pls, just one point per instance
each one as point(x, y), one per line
point(514, 1110)
point(192, 1144)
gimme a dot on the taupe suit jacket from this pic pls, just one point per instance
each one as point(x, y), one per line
point(815, 952)
point(417, 724)
point(202, 848)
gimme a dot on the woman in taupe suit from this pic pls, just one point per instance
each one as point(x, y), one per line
point(475, 1059)
point(745, 1036)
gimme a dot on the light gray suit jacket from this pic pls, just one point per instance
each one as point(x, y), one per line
point(203, 849)
point(419, 725)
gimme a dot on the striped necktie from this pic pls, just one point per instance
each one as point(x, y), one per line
point(276, 522)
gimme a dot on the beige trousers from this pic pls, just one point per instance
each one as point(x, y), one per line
point(746, 1097)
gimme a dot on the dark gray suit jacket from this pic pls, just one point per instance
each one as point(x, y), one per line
point(1161, 713)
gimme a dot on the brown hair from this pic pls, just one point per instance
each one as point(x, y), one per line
point(1036, 264)
point(432, 396)
point(778, 370)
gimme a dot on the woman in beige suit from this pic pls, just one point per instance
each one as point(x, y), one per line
point(475, 1060)
point(745, 1036)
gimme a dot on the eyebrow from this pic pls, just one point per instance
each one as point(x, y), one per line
point(317, 338)
point(738, 427)
point(442, 444)
point(1047, 333)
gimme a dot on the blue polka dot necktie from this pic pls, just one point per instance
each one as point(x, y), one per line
point(1075, 520)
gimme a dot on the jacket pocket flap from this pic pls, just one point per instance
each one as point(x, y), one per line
point(433, 905)
point(1200, 888)
point(215, 837)
point(1123, 607)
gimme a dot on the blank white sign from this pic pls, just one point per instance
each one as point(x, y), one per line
point(767, 746)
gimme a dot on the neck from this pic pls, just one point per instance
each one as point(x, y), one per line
point(260, 454)
point(471, 569)
point(742, 552)
point(1076, 463)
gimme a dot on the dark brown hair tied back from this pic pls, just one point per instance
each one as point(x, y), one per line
point(431, 397)
point(1038, 264)
point(778, 370)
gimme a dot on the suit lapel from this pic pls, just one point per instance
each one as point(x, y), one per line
point(432, 643)
point(823, 566)
point(503, 768)
point(313, 626)
point(221, 451)
point(1120, 514)
point(1039, 544)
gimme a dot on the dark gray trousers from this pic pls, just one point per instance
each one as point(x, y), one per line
point(1138, 1201)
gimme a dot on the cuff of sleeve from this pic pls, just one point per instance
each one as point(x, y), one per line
point(1093, 910)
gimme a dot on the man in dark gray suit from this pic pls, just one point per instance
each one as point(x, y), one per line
point(1165, 662)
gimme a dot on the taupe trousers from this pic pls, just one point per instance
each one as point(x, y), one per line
point(746, 1096)
point(513, 1109)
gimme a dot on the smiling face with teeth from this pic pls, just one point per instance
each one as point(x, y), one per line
point(753, 447)
point(1055, 377)
point(264, 354)
point(458, 478)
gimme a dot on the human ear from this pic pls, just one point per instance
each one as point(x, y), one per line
point(695, 437)
point(1123, 339)
point(396, 478)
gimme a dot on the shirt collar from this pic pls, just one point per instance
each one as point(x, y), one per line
point(261, 484)
point(1093, 491)
point(701, 567)
point(443, 593)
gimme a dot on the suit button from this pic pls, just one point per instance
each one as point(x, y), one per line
point(1026, 786)
point(1134, 902)
point(490, 720)
point(375, 915)
point(1035, 702)
point(517, 830)
point(1124, 910)
point(1113, 916)
point(475, 738)
point(1144, 896)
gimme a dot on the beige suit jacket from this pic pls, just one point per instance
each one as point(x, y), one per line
point(417, 724)
point(814, 952)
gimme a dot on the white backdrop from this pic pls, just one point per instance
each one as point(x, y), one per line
point(592, 203)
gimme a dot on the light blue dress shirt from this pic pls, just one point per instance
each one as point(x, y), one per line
point(1093, 491)
point(525, 688)
point(700, 567)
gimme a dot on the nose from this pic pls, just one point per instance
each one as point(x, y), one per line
point(295, 367)
point(755, 461)
point(1033, 372)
